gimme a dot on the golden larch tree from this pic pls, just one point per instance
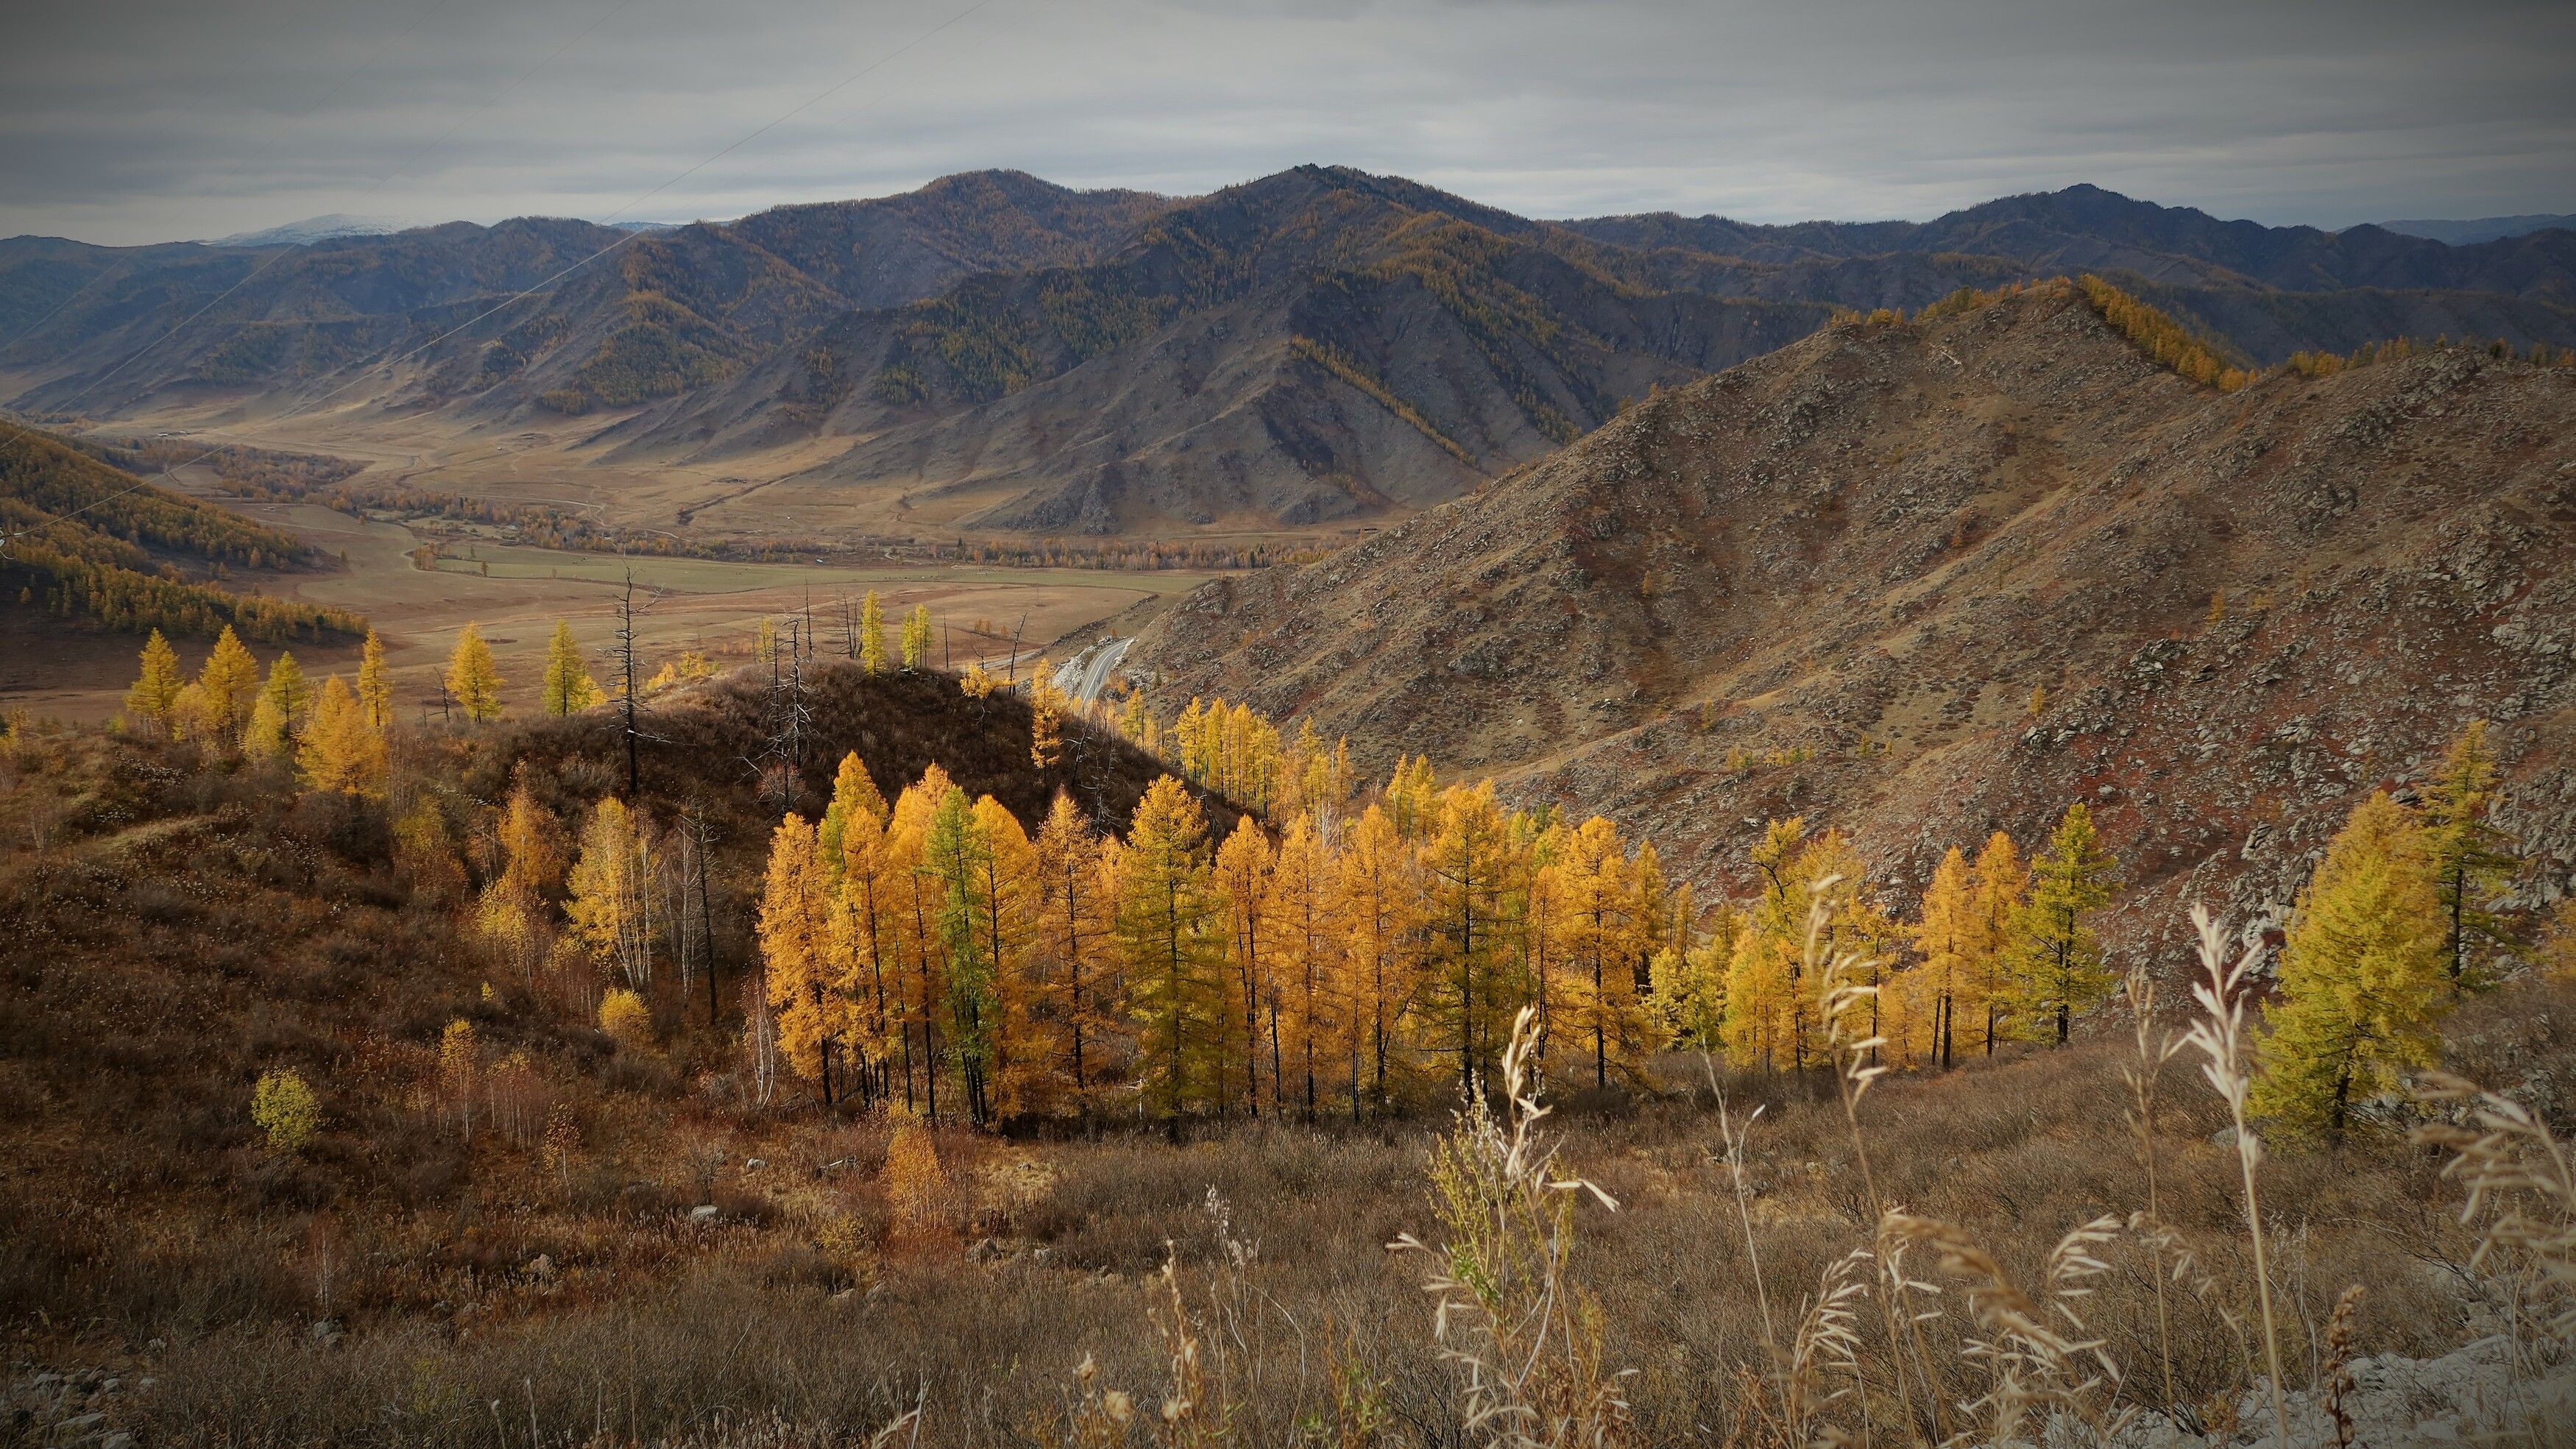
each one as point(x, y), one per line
point(568, 685)
point(341, 750)
point(872, 637)
point(1073, 927)
point(2054, 959)
point(795, 945)
point(1243, 883)
point(473, 679)
point(277, 716)
point(1171, 938)
point(375, 684)
point(153, 702)
point(230, 680)
point(2362, 981)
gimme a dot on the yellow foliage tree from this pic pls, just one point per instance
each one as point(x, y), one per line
point(2362, 984)
point(795, 946)
point(230, 681)
point(569, 687)
point(872, 640)
point(341, 750)
point(472, 677)
point(916, 638)
point(375, 685)
point(1171, 940)
point(154, 700)
point(277, 717)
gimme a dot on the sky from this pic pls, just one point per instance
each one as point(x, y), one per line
point(127, 121)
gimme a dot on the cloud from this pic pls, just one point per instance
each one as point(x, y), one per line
point(135, 120)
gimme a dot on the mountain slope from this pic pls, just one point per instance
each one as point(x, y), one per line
point(644, 315)
point(2086, 228)
point(1309, 347)
point(993, 352)
point(1829, 581)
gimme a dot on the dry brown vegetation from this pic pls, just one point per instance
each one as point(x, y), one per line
point(623, 1247)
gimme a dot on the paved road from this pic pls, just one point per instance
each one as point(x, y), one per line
point(1086, 674)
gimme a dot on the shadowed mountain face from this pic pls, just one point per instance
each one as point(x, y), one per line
point(1317, 346)
point(1832, 581)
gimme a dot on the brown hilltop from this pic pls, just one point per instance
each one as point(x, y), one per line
point(1869, 548)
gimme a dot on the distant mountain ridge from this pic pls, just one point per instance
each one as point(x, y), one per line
point(2485, 228)
point(1315, 346)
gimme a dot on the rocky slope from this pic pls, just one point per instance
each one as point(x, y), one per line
point(1318, 346)
point(1830, 582)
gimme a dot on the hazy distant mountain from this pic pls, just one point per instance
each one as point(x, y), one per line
point(1318, 345)
point(310, 229)
point(2485, 228)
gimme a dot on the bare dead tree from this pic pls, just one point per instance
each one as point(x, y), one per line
point(631, 725)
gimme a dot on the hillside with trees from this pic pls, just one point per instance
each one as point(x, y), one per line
point(801, 1053)
point(1932, 576)
point(88, 541)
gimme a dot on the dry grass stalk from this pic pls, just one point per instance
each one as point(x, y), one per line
point(2032, 1363)
point(1510, 1314)
point(2220, 1034)
point(1734, 1138)
point(2155, 1048)
point(2522, 1195)
point(1843, 997)
point(1828, 1339)
point(2341, 1334)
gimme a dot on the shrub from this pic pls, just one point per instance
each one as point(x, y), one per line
point(627, 1020)
point(285, 1108)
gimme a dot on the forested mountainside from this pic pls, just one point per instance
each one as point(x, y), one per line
point(89, 541)
point(1318, 345)
point(1930, 577)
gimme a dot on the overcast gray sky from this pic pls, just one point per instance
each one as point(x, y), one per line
point(139, 120)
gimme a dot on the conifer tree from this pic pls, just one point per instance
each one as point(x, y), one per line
point(1998, 884)
point(277, 718)
point(794, 930)
point(916, 638)
point(473, 678)
point(1690, 987)
point(569, 687)
point(955, 853)
point(2055, 959)
point(1304, 957)
point(1030, 1020)
point(1464, 873)
point(340, 750)
point(1073, 919)
point(230, 679)
point(1763, 1017)
point(375, 685)
point(2470, 857)
point(872, 639)
point(1243, 883)
point(610, 888)
point(154, 699)
point(1170, 936)
point(1602, 933)
point(919, 954)
point(853, 840)
point(2362, 983)
point(854, 795)
point(1949, 935)
point(512, 912)
point(1375, 900)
